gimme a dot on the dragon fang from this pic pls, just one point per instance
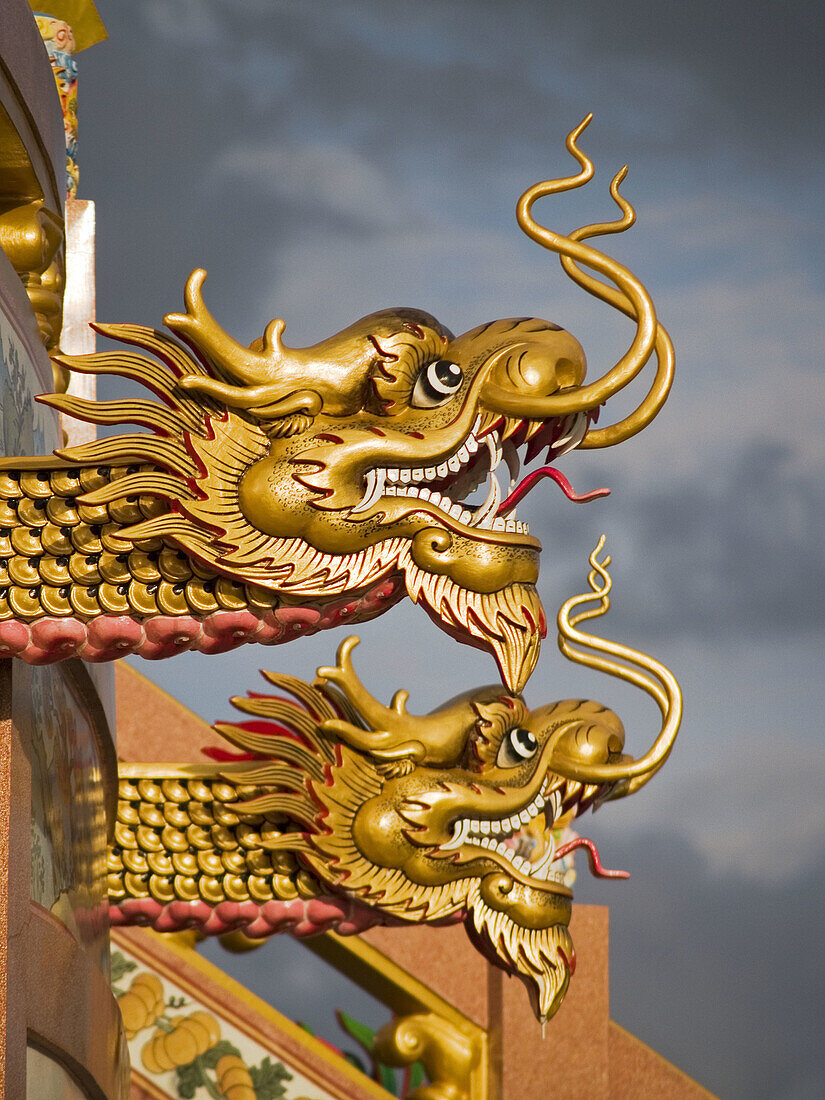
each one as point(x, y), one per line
point(282, 490)
point(341, 812)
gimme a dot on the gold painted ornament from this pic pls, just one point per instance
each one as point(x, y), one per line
point(282, 490)
point(342, 812)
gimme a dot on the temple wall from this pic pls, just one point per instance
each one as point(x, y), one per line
point(60, 1030)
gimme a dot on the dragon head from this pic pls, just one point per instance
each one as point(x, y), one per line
point(319, 472)
point(456, 814)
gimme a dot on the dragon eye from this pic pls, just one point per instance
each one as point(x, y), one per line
point(519, 745)
point(437, 383)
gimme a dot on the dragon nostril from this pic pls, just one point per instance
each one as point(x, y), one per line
point(568, 373)
point(533, 369)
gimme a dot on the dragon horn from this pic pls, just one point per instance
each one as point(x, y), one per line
point(391, 732)
point(199, 328)
point(660, 684)
point(585, 397)
point(258, 370)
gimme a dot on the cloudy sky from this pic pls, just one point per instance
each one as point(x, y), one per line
point(323, 160)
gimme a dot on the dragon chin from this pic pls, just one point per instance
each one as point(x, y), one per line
point(542, 958)
point(510, 622)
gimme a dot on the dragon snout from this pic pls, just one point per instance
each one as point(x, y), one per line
point(532, 369)
point(585, 742)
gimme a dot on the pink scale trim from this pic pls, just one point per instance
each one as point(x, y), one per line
point(110, 637)
point(300, 917)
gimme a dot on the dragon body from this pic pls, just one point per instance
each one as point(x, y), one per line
point(280, 490)
point(341, 812)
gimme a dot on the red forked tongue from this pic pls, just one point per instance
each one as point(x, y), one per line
point(524, 487)
point(596, 867)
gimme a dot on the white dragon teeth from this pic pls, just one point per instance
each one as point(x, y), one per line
point(575, 432)
point(491, 504)
point(460, 830)
point(374, 490)
point(409, 483)
point(511, 458)
point(545, 861)
point(492, 836)
point(553, 804)
point(580, 430)
point(567, 428)
point(494, 447)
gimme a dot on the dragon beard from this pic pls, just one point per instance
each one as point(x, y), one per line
point(542, 958)
point(510, 622)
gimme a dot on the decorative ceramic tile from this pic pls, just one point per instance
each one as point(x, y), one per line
point(25, 427)
point(188, 1052)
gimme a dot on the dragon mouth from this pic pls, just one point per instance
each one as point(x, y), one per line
point(503, 838)
point(473, 470)
point(523, 842)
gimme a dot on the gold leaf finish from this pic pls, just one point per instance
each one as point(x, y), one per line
point(69, 561)
point(197, 857)
point(447, 1054)
point(319, 483)
point(454, 815)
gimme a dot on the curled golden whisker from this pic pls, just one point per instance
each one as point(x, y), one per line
point(567, 623)
point(630, 289)
point(569, 183)
point(625, 664)
point(663, 346)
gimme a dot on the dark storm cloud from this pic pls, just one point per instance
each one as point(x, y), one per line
point(741, 75)
point(759, 64)
point(447, 114)
point(737, 547)
point(722, 976)
point(749, 549)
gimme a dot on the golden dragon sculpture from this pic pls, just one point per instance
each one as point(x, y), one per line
point(341, 812)
point(281, 490)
